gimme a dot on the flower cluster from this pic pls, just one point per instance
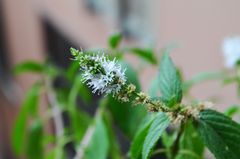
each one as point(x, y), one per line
point(100, 73)
point(106, 76)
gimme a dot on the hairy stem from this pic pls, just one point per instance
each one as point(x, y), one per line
point(56, 111)
point(90, 131)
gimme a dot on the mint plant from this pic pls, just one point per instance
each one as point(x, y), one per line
point(154, 125)
point(212, 126)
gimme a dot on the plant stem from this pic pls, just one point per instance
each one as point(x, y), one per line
point(189, 153)
point(158, 151)
point(90, 131)
point(57, 118)
point(175, 147)
point(156, 106)
point(56, 113)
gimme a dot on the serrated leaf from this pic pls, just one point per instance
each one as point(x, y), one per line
point(29, 66)
point(99, 144)
point(35, 138)
point(169, 81)
point(145, 53)
point(160, 123)
point(137, 144)
point(28, 108)
point(114, 40)
point(123, 113)
point(220, 134)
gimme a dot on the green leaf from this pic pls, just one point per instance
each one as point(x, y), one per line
point(202, 77)
point(190, 142)
point(160, 123)
point(35, 138)
point(123, 113)
point(76, 115)
point(114, 40)
point(29, 66)
point(168, 139)
point(28, 108)
point(169, 81)
point(115, 151)
point(131, 75)
point(231, 111)
point(72, 70)
point(145, 53)
point(153, 88)
point(125, 116)
point(99, 144)
point(81, 89)
point(80, 121)
point(137, 144)
point(220, 134)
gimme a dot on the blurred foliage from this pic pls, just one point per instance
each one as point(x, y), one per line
point(95, 125)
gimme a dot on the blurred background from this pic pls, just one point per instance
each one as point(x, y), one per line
point(40, 29)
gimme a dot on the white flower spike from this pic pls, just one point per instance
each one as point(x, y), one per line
point(100, 73)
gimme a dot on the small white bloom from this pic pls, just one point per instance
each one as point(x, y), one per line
point(111, 81)
point(231, 51)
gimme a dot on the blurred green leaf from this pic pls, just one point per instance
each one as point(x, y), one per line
point(29, 66)
point(220, 134)
point(191, 142)
point(169, 81)
point(99, 144)
point(35, 140)
point(159, 125)
point(28, 108)
point(232, 110)
point(115, 151)
point(125, 115)
point(145, 53)
point(168, 139)
point(230, 80)
point(73, 70)
point(80, 89)
point(202, 77)
point(80, 120)
point(114, 40)
point(53, 71)
point(85, 93)
point(137, 144)
point(131, 75)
